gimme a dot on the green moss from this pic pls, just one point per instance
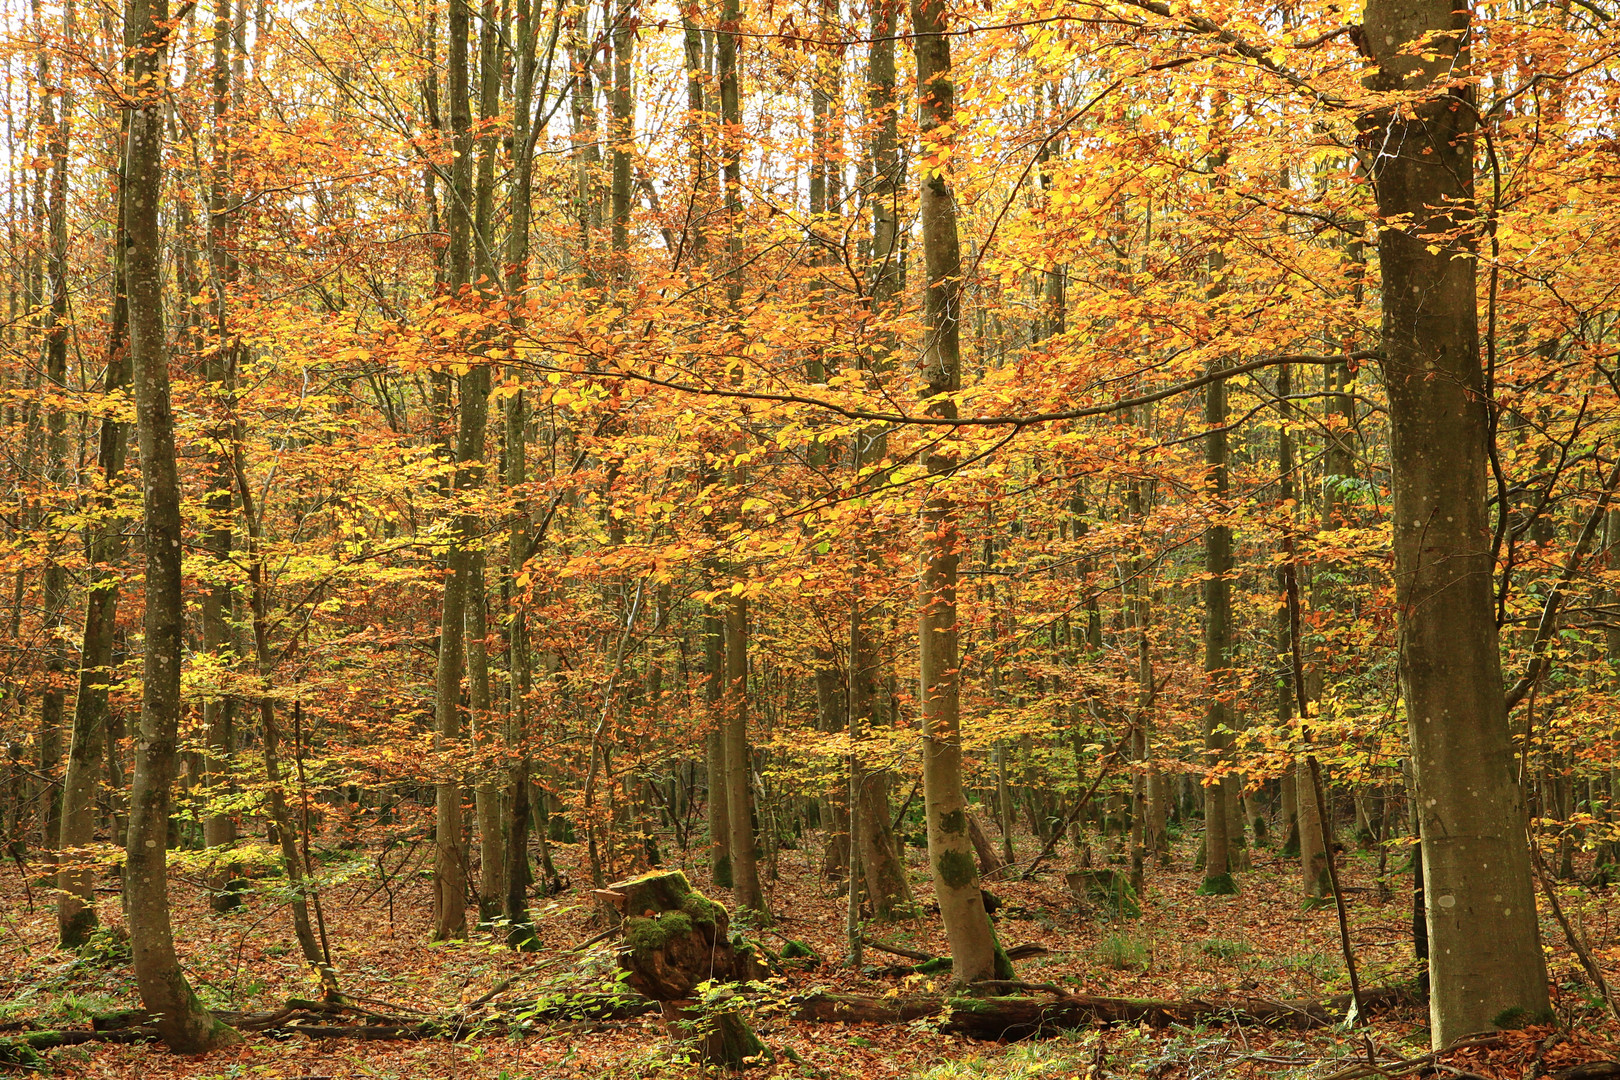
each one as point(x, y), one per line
point(953, 822)
point(1520, 1017)
point(722, 872)
point(701, 909)
point(732, 1044)
point(652, 934)
point(1004, 964)
point(939, 965)
point(1218, 885)
point(971, 1004)
point(955, 868)
point(1112, 890)
point(798, 950)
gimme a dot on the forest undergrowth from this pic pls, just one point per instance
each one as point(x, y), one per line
point(377, 907)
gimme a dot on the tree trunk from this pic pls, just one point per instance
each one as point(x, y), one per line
point(715, 752)
point(832, 716)
point(54, 579)
point(1486, 965)
point(739, 765)
point(450, 859)
point(1217, 653)
point(219, 829)
point(75, 911)
point(1314, 835)
point(182, 1021)
point(950, 852)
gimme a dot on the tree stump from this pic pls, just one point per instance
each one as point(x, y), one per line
point(676, 939)
point(1109, 889)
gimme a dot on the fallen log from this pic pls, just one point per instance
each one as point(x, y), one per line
point(319, 1020)
point(1022, 1017)
point(1017, 952)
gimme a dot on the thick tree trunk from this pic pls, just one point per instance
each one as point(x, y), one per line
point(1313, 837)
point(485, 730)
point(832, 716)
point(1486, 964)
point(950, 851)
point(734, 706)
point(185, 1025)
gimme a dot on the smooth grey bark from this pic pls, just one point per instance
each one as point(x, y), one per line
point(974, 955)
point(485, 730)
point(739, 789)
point(516, 875)
point(1486, 966)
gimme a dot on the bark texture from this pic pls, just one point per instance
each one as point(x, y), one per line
point(950, 851)
point(182, 1021)
point(1486, 965)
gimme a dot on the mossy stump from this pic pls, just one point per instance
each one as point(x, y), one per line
point(716, 1031)
point(676, 939)
point(1109, 889)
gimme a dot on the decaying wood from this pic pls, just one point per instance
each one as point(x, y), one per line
point(675, 940)
point(324, 1020)
point(1022, 1017)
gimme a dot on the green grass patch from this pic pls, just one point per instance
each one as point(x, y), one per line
point(1122, 952)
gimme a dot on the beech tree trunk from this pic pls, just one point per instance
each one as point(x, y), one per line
point(450, 859)
point(182, 1021)
point(739, 765)
point(219, 829)
point(714, 745)
point(1217, 652)
point(950, 851)
point(75, 909)
point(739, 789)
point(887, 887)
point(54, 579)
point(1486, 965)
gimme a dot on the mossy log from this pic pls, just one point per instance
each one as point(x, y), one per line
point(1023, 1017)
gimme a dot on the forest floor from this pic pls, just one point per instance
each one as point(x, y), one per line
point(1260, 942)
